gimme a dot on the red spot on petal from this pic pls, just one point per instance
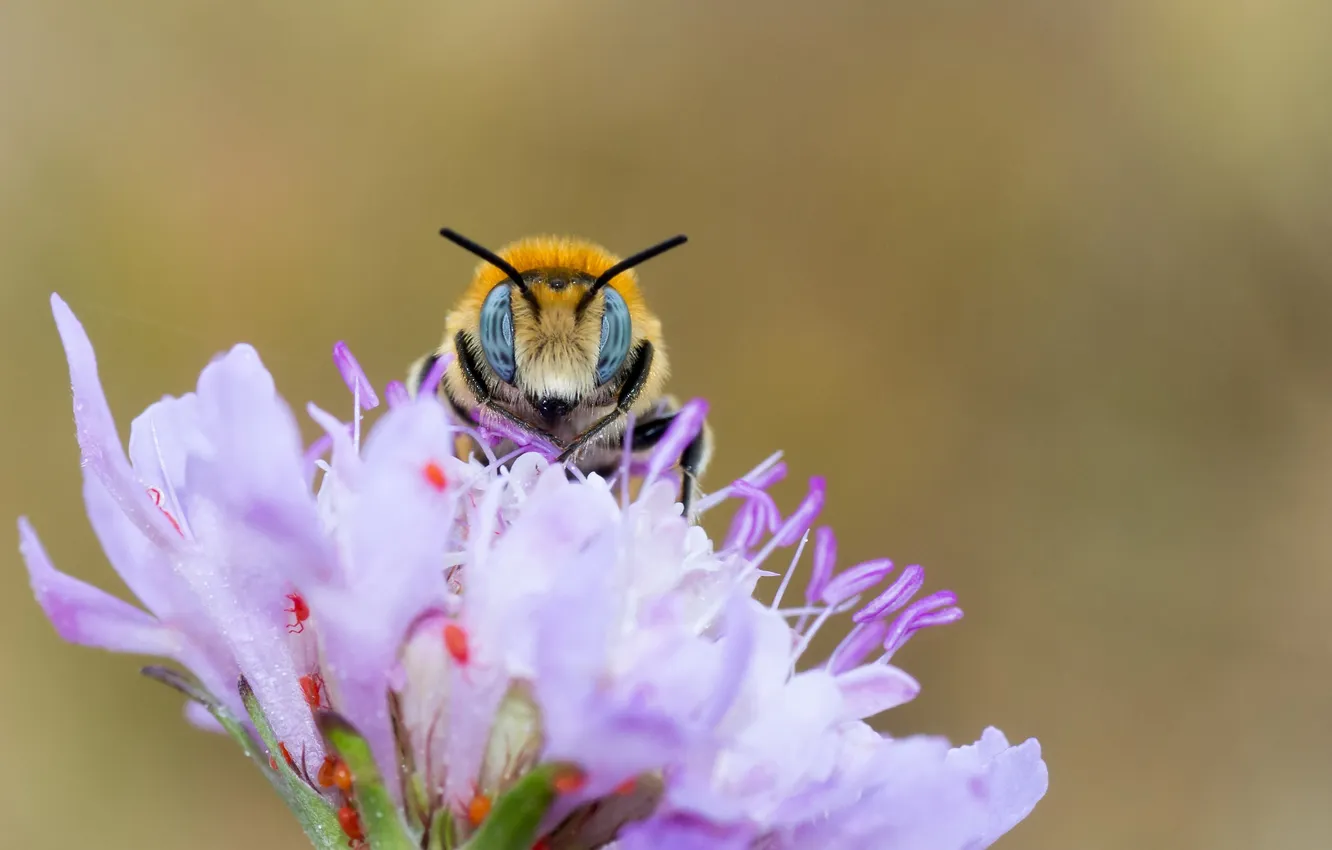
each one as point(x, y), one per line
point(542, 844)
point(435, 477)
point(299, 610)
point(627, 787)
point(291, 762)
point(350, 822)
point(478, 809)
point(569, 781)
point(455, 641)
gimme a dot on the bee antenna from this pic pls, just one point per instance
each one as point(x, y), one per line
point(628, 263)
point(486, 254)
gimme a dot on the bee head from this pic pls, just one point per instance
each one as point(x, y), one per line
point(557, 318)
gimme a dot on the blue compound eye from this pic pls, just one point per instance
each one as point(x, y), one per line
point(497, 332)
point(616, 333)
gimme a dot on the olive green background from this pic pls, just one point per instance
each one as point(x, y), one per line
point(1043, 288)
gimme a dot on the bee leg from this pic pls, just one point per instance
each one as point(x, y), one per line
point(693, 460)
point(639, 368)
point(472, 375)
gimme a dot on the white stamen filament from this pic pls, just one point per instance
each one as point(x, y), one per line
point(790, 571)
point(726, 492)
point(818, 624)
point(170, 488)
point(356, 418)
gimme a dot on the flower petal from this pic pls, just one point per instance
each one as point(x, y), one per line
point(86, 615)
point(1015, 778)
point(873, 688)
point(200, 717)
point(99, 442)
point(395, 529)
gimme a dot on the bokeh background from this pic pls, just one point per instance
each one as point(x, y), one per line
point(1043, 288)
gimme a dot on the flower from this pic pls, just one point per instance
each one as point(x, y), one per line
point(500, 652)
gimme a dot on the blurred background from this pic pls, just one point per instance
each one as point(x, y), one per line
point(1043, 288)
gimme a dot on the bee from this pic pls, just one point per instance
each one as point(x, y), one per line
point(553, 336)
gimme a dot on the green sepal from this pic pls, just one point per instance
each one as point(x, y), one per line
point(380, 819)
point(191, 687)
point(315, 813)
point(414, 798)
point(516, 816)
point(443, 831)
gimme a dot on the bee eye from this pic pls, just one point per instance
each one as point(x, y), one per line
point(616, 331)
point(497, 332)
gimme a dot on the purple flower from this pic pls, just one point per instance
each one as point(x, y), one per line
point(510, 646)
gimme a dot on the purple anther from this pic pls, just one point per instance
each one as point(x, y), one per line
point(770, 516)
point(804, 515)
point(857, 579)
point(942, 617)
point(683, 429)
point(496, 428)
point(354, 376)
point(825, 557)
point(906, 623)
point(908, 584)
point(743, 528)
point(396, 395)
point(430, 384)
point(769, 476)
point(857, 644)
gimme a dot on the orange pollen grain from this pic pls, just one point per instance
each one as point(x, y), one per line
point(286, 755)
point(627, 787)
point(455, 641)
point(435, 477)
point(350, 823)
point(570, 781)
point(478, 809)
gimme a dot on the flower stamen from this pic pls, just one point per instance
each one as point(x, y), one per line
point(156, 495)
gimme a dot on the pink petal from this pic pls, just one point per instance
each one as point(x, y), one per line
point(873, 688)
point(200, 717)
point(99, 442)
point(84, 614)
point(395, 531)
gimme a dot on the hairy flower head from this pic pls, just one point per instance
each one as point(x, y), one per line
point(499, 653)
